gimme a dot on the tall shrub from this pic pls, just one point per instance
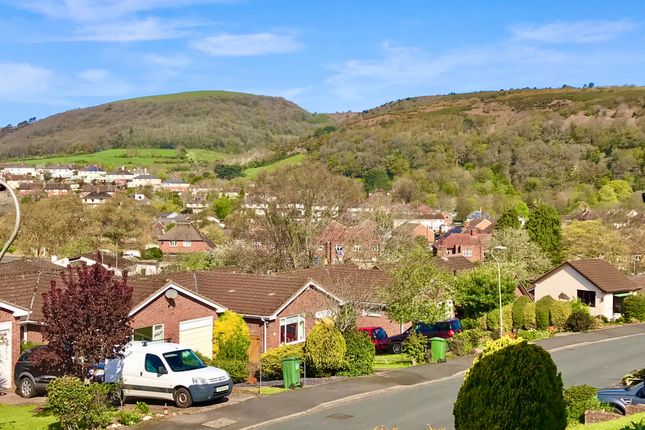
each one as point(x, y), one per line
point(634, 307)
point(359, 357)
point(78, 406)
point(325, 349)
point(231, 345)
point(511, 385)
point(519, 307)
point(542, 312)
point(492, 319)
point(558, 314)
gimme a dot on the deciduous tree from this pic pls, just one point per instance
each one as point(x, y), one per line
point(592, 239)
point(544, 229)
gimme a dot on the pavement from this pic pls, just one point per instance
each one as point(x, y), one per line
point(272, 411)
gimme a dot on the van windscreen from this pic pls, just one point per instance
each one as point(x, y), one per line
point(184, 360)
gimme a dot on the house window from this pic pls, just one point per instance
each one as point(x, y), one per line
point(153, 332)
point(467, 253)
point(338, 248)
point(587, 297)
point(187, 243)
point(292, 329)
point(357, 248)
point(173, 243)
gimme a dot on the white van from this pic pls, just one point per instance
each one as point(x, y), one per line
point(160, 370)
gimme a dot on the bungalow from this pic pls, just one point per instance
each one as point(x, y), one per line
point(175, 185)
point(184, 238)
point(145, 180)
point(91, 173)
point(594, 282)
point(19, 169)
point(56, 189)
point(58, 172)
point(119, 176)
point(30, 189)
point(197, 204)
point(96, 198)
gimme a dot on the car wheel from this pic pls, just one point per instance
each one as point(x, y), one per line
point(183, 399)
point(397, 348)
point(27, 388)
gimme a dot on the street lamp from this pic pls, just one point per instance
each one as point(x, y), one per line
point(499, 286)
point(5, 186)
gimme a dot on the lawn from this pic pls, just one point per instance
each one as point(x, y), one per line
point(391, 361)
point(253, 172)
point(23, 417)
point(144, 157)
point(611, 425)
point(265, 391)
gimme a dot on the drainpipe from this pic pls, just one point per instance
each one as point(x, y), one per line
point(4, 185)
point(264, 334)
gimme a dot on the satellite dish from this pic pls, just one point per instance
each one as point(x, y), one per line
point(171, 293)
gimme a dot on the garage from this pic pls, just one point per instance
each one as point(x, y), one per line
point(197, 334)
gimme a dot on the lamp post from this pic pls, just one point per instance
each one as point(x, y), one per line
point(14, 233)
point(499, 287)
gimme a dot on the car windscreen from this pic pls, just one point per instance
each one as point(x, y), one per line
point(380, 334)
point(183, 360)
point(455, 325)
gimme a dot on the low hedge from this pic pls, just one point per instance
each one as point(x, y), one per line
point(581, 398)
point(634, 308)
point(359, 356)
point(271, 361)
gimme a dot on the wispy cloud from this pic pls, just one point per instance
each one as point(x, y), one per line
point(22, 81)
point(169, 61)
point(246, 45)
point(133, 30)
point(572, 32)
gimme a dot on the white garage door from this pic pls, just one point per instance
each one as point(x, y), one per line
point(5, 355)
point(197, 334)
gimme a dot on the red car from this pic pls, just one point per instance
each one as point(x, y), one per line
point(379, 338)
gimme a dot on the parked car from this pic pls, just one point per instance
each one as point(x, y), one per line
point(31, 379)
point(379, 338)
point(168, 371)
point(444, 329)
point(620, 397)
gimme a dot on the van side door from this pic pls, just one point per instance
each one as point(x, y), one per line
point(149, 377)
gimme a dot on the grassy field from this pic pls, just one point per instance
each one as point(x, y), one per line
point(253, 172)
point(23, 417)
point(391, 361)
point(144, 157)
point(611, 425)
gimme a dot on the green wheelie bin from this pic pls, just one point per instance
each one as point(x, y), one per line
point(438, 348)
point(291, 372)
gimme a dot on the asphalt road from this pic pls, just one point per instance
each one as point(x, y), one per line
point(598, 364)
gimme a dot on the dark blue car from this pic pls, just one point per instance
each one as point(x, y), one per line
point(620, 397)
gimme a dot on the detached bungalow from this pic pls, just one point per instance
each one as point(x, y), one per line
point(594, 282)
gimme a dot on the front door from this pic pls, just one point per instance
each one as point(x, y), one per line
point(5, 355)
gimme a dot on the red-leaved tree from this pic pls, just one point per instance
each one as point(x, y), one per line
point(85, 319)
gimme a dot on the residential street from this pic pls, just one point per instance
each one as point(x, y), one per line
point(597, 358)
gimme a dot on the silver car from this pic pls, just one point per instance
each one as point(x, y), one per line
point(620, 397)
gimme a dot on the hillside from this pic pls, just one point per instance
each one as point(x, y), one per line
point(465, 151)
point(224, 121)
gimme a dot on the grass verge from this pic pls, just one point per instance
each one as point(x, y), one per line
point(611, 425)
point(22, 417)
point(391, 361)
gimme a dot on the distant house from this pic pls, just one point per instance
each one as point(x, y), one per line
point(91, 174)
point(57, 189)
point(184, 238)
point(108, 259)
point(175, 185)
point(413, 231)
point(14, 181)
point(197, 204)
point(96, 198)
point(145, 180)
point(119, 176)
point(58, 171)
point(471, 244)
point(31, 188)
point(19, 169)
point(437, 221)
point(594, 282)
point(454, 264)
point(166, 218)
point(339, 244)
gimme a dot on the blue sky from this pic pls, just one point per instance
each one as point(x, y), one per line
point(327, 56)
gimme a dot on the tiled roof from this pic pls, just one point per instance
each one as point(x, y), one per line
point(185, 231)
point(600, 273)
point(454, 263)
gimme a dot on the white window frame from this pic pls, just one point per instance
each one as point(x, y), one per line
point(357, 248)
point(467, 253)
point(300, 322)
point(173, 244)
point(187, 244)
point(158, 331)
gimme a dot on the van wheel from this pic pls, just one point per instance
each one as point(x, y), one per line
point(27, 388)
point(183, 399)
point(397, 348)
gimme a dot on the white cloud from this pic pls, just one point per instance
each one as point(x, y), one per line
point(22, 81)
point(246, 45)
point(572, 32)
point(133, 30)
point(99, 10)
point(170, 61)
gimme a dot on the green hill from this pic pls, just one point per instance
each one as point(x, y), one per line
point(488, 149)
point(218, 120)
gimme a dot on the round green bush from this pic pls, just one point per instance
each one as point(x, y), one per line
point(461, 344)
point(634, 308)
point(578, 399)
point(325, 349)
point(237, 369)
point(511, 385)
point(518, 311)
point(492, 319)
point(542, 312)
point(558, 314)
point(416, 346)
point(271, 361)
point(579, 320)
point(359, 357)
point(79, 406)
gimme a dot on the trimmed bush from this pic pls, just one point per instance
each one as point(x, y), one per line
point(78, 406)
point(231, 337)
point(634, 308)
point(511, 385)
point(359, 357)
point(271, 361)
point(416, 346)
point(579, 320)
point(461, 344)
point(558, 314)
point(325, 349)
point(543, 311)
point(238, 370)
point(128, 418)
point(518, 312)
point(581, 398)
point(532, 335)
point(492, 319)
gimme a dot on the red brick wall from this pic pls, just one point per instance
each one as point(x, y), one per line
point(390, 326)
point(5, 316)
point(180, 249)
point(170, 313)
point(34, 333)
